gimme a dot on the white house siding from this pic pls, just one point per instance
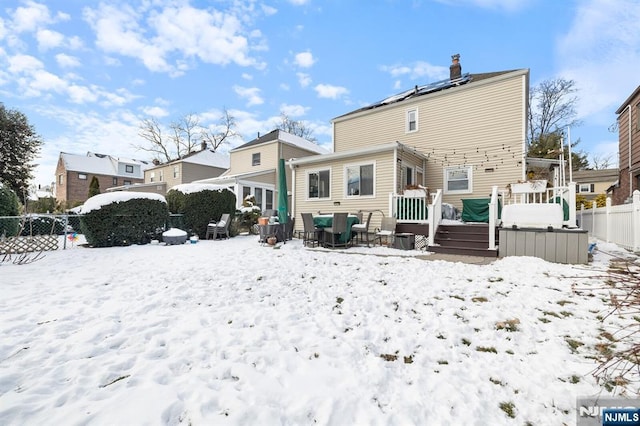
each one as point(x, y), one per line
point(383, 186)
point(483, 115)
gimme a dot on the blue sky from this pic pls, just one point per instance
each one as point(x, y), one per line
point(86, 73)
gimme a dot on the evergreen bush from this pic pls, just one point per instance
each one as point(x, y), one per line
point(9, 206)
point(201, 207)
point(135, 221)
point(42, 225)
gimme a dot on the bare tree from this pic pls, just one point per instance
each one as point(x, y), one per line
point(184, 136)
point(226, 125)
point(552, 107)
point(295, 127)
point(601, 161)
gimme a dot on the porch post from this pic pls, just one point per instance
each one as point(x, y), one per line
point(572, 205)
point(493, 217)
point(594, 205)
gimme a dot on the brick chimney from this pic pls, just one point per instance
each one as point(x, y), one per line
point(455, 69)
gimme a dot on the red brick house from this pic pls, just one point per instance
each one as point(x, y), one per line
point(74, 173)
point(628, 149)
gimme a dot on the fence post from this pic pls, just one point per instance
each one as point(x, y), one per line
point(636, 220)
point(607, 218)
point(66, 225)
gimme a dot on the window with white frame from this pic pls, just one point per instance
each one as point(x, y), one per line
point(161, 176)
point(152, 176)
point(585, 188)
point(412, 120)
point(458, 180)
point(318, 184)
point(115, 181)
point(128, 168)
point(246, 191)
point(255, 159)
point(176, 172)
point(408, 176)
point(60, 179)
point(127, 182)
point(359, 180)
point(258, 195)
point(82, 176)
point(268, 201)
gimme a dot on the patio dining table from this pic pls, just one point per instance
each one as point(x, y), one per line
point(326, 220)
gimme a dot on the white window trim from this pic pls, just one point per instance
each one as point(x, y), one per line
point(445, 181)
point(581, 187)
point(406, 125)
point(406, 166)
point(306, 187)
point(253, 159)
point(82, 176)
point(346, 183)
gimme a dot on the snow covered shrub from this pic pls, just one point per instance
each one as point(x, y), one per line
point(247, 216)
point(123, 222)
point(9, 206)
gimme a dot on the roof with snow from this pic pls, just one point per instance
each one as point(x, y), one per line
point(205, 157)
point(103, 164)
point(286, 138)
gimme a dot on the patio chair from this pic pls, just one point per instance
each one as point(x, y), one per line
point(219, 228)
point(387, 231)
point(310, 235)
point(333, 234)
point(362, 229)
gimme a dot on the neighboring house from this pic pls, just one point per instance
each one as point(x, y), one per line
point(463, 135)
point(628, 149)
point(159, 178)
point(254, 166)
point(591, 183)
point(74, 173)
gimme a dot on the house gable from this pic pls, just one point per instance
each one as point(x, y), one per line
point(479, 125)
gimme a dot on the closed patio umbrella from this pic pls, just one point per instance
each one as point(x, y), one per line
point(283, 201)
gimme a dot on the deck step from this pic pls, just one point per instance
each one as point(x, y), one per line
point(469, 240)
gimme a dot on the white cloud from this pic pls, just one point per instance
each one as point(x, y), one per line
point(304, 79)
point(3, 29)
point(252, 94)
point(294, 111)
point(24, 63)
point(67, 61)
point(48, 39)
point(81, 94)
point(419, 70)
point(155, 111)
point(601, 53)
point(508, 5)
point(247, 76)
point(30, 17)
point(298, 2)
point(329, 91)
point(268, 10)
point(167, 40)
point(304, 59)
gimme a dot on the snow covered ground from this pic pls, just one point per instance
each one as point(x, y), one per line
point(232, 332)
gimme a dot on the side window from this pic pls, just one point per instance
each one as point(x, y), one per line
point(268, 202)
point(176, 172)
point(412, 120)
point(255, 159)
point(82, 176)
point(458, 180)
point(359, 180)
point(152, 177)
point(318, 185)
point(408, 176)
point(115, 181)
point(128, 168)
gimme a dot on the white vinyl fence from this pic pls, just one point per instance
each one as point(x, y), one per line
point(614, 224)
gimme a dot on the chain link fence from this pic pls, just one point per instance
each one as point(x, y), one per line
point(35, 232)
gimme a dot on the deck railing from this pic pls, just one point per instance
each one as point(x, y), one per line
point(410, 208)
point(493, 217)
